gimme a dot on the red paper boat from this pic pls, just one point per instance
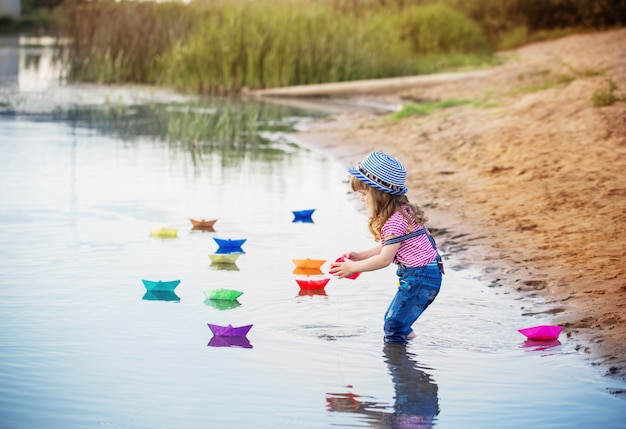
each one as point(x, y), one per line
point(351, 276)
point(229, 331)
point(542, 332)
point(313, 284)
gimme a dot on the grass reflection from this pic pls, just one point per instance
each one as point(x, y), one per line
point(237, 129)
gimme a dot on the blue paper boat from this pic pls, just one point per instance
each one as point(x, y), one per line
point(228, 245)
point(167, 286)
point(161, 295)
point(303, 215)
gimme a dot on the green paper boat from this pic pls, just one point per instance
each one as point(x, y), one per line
point(224, 294)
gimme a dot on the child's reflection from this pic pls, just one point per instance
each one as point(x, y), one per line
point(416, 402)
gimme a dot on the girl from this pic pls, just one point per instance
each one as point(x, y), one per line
point(404, 240)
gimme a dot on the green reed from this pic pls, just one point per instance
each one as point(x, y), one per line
point(222, 47)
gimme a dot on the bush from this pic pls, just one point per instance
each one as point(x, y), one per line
point(437, 28)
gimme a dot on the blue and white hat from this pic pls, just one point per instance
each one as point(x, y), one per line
point(382, 172)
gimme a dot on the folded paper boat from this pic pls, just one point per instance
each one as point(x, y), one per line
point(303, 215)
point(223, 294)
point(351, 276)
point(164, 232)
point(229, 244)
point(224, 258)
point(308, 263)
point(542, 332)
point(159, 285)
point(230, 330)
point(307, 271)
point(242, 342)
point(203, 224)
point(312, 284)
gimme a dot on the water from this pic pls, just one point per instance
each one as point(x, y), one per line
point(80, 347)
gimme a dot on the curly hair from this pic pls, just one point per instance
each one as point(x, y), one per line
point(384, 205)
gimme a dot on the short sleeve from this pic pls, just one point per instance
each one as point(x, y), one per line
point(396, 226)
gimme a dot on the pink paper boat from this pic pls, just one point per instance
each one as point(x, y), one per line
point(542, 332)
point(313, 284)
point(351, 276)
point(229, 331)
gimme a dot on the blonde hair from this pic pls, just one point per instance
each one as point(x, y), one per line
point(384, 205)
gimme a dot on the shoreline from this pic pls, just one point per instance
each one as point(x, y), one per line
point(531, 192)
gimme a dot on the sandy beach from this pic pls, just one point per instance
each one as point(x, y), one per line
point(527, 184)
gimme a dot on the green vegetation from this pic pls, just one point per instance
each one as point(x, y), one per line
point(413, 109)
point(223, 46)
point(606, 96)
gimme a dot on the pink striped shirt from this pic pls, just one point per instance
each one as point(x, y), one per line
point(414, 252)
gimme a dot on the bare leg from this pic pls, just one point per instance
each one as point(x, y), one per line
point(410, 336)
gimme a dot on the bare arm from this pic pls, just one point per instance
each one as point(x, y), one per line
point(374, 261)
point(364, 254)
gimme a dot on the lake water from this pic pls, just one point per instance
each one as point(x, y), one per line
point(88, 171)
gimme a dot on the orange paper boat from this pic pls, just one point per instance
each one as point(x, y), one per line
point(313, 284)
point(203, 224)
point(308, 263)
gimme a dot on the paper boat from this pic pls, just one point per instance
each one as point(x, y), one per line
point(307, 271)
point(168, 286)
point(230, 330)
point(218, 341)
point(164, 232)
point(303, 215)
point(203, 224)
point(351, 276)
point(309, 263)
point(224, 294)
point(228, 245)
point(224, 258)
point(542, 332)
point(313, 284)
point(160, 295)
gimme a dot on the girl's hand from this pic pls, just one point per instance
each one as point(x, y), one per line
point(341, 269)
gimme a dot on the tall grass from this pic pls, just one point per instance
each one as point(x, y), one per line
point(224, 46)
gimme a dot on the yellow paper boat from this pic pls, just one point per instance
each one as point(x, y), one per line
point(309, 264)
point(164, 232)
point(224, 258)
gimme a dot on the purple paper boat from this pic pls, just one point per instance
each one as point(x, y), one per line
point(229, 331)
point(542, 332)
point(242, 342)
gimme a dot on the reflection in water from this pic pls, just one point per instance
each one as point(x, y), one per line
point(541, 345)
point(161, 295)
point(222, 304)
point(416, 402)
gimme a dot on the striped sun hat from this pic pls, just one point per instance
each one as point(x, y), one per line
point(382, 172)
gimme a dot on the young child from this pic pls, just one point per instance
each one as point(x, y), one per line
point(404, 240)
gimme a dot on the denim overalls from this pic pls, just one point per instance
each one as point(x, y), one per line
point(418, 287)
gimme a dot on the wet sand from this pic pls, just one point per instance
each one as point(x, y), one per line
point(527, 184)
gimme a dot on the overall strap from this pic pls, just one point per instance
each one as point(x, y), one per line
point(407, 236)
point(416, 234)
